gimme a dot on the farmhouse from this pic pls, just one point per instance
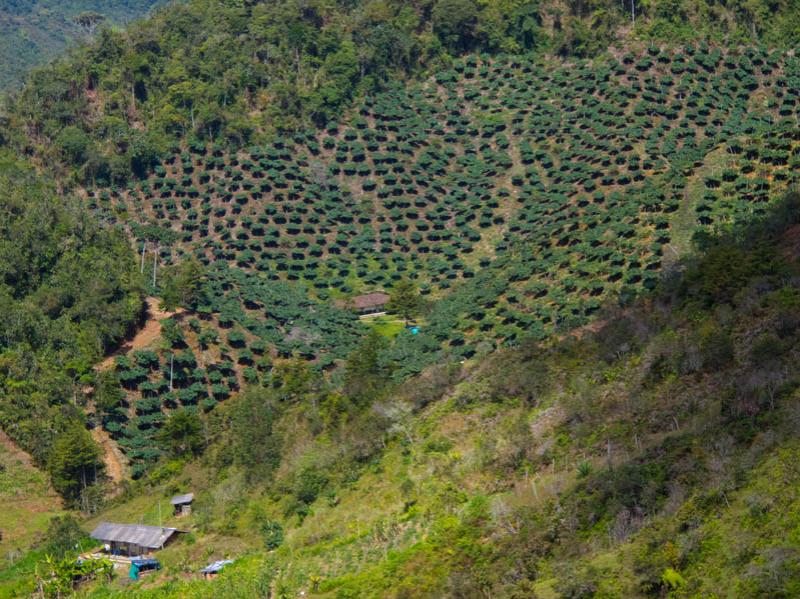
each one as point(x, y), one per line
point(132, 540)
point(182, 504)
point(371, 303)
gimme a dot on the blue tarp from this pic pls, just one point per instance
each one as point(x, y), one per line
point(143, 563)
point(146, 562)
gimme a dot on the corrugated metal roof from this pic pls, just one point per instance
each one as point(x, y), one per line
point(179, 499)
point(152, 537)
point(216, 566)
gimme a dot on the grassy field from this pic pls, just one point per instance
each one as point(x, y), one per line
point(385, 325)
point(27, 503)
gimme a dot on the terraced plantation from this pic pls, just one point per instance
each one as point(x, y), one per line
point(204, 358)
point(520, 195)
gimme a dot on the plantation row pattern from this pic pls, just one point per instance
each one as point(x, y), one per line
point(519, 194)
point(245, 324)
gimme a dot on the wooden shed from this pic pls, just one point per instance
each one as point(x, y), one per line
point(182, 504)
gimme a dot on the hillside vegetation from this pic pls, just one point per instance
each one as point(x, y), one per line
point(27, 501)
point(33, 32)
point(585, 216)
point(237, 72)
point(652, 457)
point(518, 208)
point(57, 316)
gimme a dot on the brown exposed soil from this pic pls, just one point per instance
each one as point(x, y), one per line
point(790, 247)
point(114, 460)
point(116, 464)
point(145, 336)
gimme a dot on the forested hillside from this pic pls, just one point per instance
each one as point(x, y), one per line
point(514, 222)
point(584, 218)
point(652, 456)
point(33, 32)
point(58, 317)
point(237, 72)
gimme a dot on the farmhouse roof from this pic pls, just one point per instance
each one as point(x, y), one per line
point(216, 566)
point(152, 537)
point(370, 300)
point(181, 499)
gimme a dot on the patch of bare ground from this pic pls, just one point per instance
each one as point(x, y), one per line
point(15, 450)
point(790, 247)
point(145, 336)
point(115, 462)
point(117, 468)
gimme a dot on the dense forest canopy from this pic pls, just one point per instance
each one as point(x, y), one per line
point(57, 316)
point(33, 32)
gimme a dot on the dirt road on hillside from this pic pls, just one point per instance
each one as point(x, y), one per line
point(116, 463)
point(113, 458)
point(145, 336)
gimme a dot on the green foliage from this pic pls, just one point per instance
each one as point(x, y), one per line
point(273, 534)
point(539, 468)
point(58, 316)
point(464, 191)
point(108, 395)
point(73, 144)
point(310, 483)
point(672, 579)
point(584, 469)
point(60, 576)
point(171, 332)
point(63, 536)
point(404, 299)
point(320, 57)
point(183, 286)
point(524, 196)
point(365, 373)
point(456, 23)
point(75, 464)
point(182, 434)
point(33, 32)
point(254, 444)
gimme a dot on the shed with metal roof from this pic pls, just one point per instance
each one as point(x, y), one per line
point(182, 504)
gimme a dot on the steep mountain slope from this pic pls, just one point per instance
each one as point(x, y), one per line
point(582, 408)
point(653, 457)
point(57, 316)
point(33, 32)
point(27, 501)
point(238, 72)
point(520, 196)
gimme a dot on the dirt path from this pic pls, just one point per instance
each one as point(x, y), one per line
point(115, 461)
point(117, 468)
point(145, 336)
